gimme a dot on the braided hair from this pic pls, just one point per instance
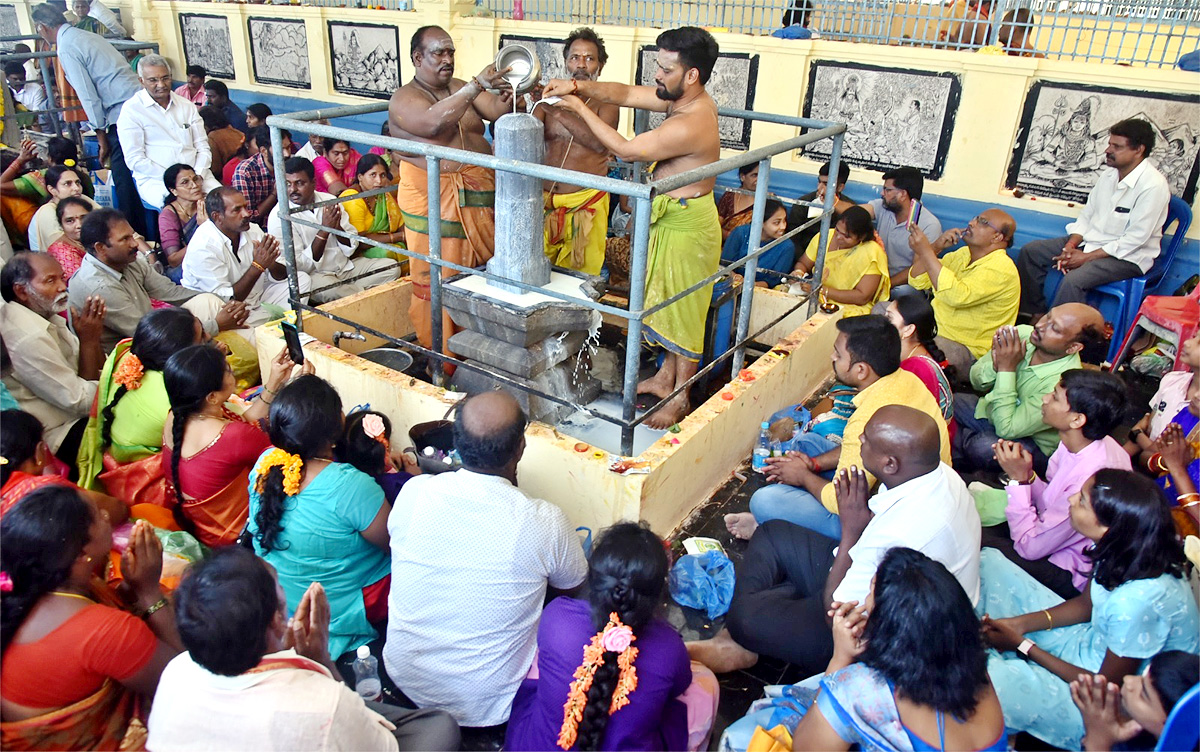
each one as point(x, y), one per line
point(189, 376)
point(306, 418)
point(40, 539)
point(917, 311)
point(627, 575)
point(158, 336)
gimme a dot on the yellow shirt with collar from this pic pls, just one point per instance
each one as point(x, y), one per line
point(972, 300)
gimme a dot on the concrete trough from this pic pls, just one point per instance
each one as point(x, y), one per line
point(678, 471)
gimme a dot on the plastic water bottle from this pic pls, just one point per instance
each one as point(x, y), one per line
point(762, 450)
point(366, 675)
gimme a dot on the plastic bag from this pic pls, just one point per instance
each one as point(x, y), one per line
point(703, 582)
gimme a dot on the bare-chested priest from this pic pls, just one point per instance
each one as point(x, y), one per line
point(437, 108)
point(685, 233)
point(577, 217)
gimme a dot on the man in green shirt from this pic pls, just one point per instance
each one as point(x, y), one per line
point(1023, 366)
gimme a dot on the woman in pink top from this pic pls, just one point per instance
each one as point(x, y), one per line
point(337, 170)
point(1084, 408)
point(67, 250)
point(1174, 391)
point(919, 354)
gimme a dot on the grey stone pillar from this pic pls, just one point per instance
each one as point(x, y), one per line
point(520, 245)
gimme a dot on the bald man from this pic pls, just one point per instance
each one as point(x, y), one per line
point(790, 575)
point(472, 559)
point(976, 289)
point(1023, 365)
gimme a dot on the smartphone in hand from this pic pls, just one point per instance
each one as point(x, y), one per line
point(915, 215)
point(291, 335)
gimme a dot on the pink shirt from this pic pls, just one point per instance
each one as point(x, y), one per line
point(200, 98)
point(1039, 519)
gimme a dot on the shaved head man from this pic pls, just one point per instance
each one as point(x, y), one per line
point(921, 504)
point(976, 288)
point(1023, 366)
point(488, 553)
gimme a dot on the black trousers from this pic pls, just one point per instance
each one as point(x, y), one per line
point(124, 188)
point(1051, 575)
point(777, 607)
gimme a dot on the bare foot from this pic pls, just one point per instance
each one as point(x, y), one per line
point(721, 653)
point(741, 525)
point(670, 413)
point(660, 384)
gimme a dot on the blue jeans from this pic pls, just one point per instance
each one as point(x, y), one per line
point(972, 447)
point(812, 444)
point(779, 501)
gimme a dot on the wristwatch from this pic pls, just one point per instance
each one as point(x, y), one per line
point(1025, 646)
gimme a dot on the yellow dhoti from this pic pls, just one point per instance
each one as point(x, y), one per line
point(577, 229)
point(685, 247)
point(468, 233)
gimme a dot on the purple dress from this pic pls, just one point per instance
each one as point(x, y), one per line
point(652, 720)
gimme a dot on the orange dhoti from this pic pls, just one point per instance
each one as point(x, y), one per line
point(468, 233)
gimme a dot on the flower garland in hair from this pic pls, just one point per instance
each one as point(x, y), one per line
point(129, 371)
point(293, 469)
point(618, 638)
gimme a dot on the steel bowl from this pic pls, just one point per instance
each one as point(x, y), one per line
point(526, 68)
point(389, 357)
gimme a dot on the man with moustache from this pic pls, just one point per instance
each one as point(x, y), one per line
point(685, 232)
point(1117, 235)
point(116, 272)
point(53, 370)
point(437, 108)
point(159, 128)
point(232, 258)
point(577, 217)
point(328, 259)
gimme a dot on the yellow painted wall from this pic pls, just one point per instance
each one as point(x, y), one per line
point(993, 92)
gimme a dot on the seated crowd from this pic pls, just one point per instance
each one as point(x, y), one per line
point(210, 555)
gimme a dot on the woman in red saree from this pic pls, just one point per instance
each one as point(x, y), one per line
point(208, 450)
point(55, 611)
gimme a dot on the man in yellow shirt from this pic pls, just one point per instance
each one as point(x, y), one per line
point(867, 356)
point(976, 289)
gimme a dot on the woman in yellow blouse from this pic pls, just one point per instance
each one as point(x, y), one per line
point(856, 268)
point(376, 217)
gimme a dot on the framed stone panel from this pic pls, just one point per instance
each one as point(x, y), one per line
point(279, 52)
point(206, 42)
point(1060, 143)
point(731, 85)
point(895, 117)
point(365, 58)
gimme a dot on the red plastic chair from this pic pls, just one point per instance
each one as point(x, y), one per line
point(1165, 315)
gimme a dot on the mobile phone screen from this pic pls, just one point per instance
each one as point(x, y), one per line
point(915, 215)
point(292, 337)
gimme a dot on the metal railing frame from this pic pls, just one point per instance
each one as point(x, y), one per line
point(47, 79)
point(642, 195)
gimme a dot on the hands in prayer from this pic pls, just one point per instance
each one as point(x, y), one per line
point(232, 315)
point(852, 491)
point(1174, 448)
point(1099, 702)
point(1015, 460)
point(331, 216)
point(308, 630)
point(141, 563)
point(266, 251)
point(89, 323)
point(849, 622)
point(1007, 349)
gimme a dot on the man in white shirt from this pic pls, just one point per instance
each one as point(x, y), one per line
point(328, 259)
point(30, 96)
point(235, 260)
point(53, 371)
point(790, 575)
point(1117, 235)
point(159, 128)
point(472, 558)
point(253, 679)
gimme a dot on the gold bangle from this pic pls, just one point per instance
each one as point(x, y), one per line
point(1049, 618)
point(153, 609)
point(259, 266)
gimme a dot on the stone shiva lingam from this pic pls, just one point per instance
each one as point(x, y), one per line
point(530, 337)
